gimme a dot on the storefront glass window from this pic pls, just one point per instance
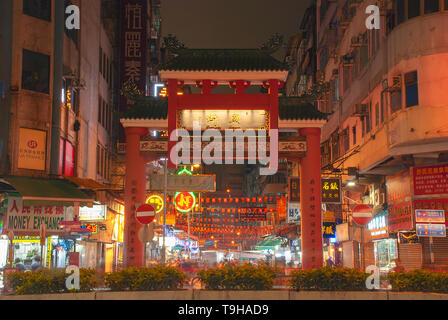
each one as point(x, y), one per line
point(386, 252)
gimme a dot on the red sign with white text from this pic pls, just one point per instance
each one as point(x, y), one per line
point(430, 180)
point(362, 214)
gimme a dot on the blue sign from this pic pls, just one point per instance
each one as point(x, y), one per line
point(431, 230)
point(429, 216)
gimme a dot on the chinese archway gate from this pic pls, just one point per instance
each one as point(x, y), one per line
point(239, 69)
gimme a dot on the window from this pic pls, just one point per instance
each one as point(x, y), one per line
point(390, 21)
point(445, 5)
point(98, 159)
point(101, 61)
point(383, 105)
point(40, 9)
point(401, 17)
point(346, 140)
point(395, 100)
point(413, 8)
point(35, 71)
point(368, 118)
point(354, 134)
point(363, 57)
point(100, 109)
point(346, 78)
point(335, 146)
point(325, 151)
point(411, 84)
point(336, 89)
point(431, 6)
point(377, 114)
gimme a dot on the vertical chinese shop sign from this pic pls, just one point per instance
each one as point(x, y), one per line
point(133, 46)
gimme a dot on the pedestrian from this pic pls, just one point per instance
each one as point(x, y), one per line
point(330, 262)
point(19, 265)
point(36, 266)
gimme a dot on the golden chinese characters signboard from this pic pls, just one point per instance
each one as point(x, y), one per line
point(32, 149)
point(224, 119)
point(331, 190)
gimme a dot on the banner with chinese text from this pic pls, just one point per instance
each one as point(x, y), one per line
point(331, 190)
point(430, 180)
point(28, 219)
point(133, 45)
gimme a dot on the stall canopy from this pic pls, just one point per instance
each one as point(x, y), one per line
point(38, 191)
point(268, 244)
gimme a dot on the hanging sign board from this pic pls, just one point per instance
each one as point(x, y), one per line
point(293, 212)
point(294, 189)
point(331, 190)
point(30, 218)
point(199, 183)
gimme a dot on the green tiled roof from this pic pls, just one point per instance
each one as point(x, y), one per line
point(224, 60)
point(290, 108)
point(147, 108)
point(293, 108)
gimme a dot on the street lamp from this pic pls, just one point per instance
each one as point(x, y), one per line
point(165, 172)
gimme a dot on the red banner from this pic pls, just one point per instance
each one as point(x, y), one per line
point(431, 180)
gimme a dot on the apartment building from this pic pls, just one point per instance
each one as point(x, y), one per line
point(388, 130)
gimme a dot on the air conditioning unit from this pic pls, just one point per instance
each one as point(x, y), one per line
point(361, 110)
point(396, 83)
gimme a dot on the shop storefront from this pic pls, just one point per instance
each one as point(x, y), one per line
point(34, 208)
point(385, 249)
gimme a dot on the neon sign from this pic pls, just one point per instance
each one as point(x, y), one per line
point(156, 201)
point(184, 201)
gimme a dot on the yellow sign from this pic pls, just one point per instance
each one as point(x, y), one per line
point(118, 231)
point(170, 219)
point(32, 149)
point(224, 119)
point(156, 201)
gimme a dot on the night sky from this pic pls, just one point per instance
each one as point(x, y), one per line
point(230, 23)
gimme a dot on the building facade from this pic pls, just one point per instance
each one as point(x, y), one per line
point(60, 103)
point(387, 133)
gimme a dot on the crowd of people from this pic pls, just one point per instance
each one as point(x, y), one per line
point(35, 266)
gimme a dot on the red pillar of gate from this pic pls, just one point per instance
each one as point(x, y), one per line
point(134, 193)
point(310, 201)
point(273, 101)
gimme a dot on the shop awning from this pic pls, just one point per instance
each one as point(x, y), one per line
point(55, 192)
point(268, 244)
point(89, 184)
